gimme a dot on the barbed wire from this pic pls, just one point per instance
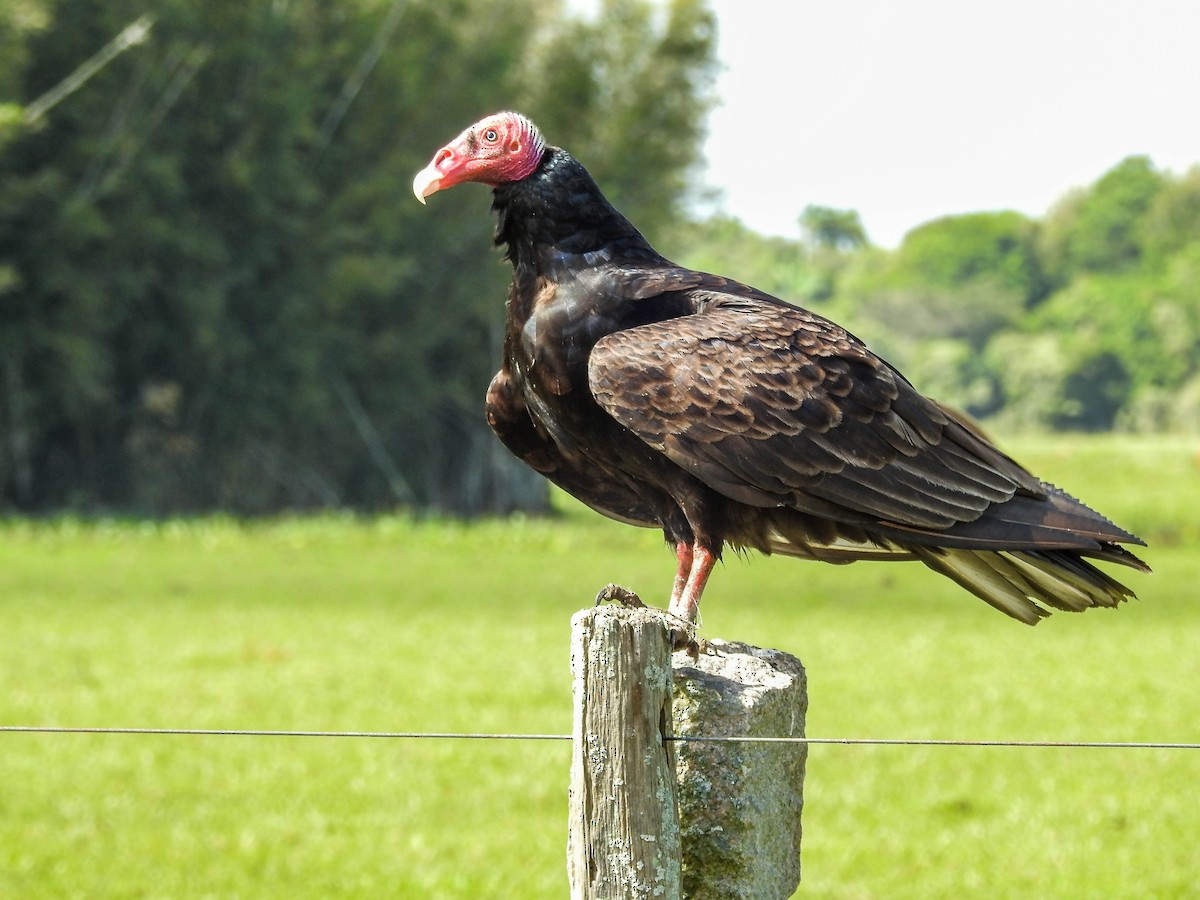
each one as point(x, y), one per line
point(682, 738)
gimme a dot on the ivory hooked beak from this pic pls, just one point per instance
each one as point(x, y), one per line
point(428, 181)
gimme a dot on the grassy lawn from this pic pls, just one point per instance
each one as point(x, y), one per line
point(395, 625)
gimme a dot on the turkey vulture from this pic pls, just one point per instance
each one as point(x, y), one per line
point(675, 399)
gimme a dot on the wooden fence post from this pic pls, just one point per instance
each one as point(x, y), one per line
point(738, 835)
point(623, 829)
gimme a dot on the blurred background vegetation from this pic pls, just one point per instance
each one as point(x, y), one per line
point(217, 292)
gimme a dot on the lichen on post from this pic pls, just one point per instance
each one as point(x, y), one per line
point(656, 816)
point(623, 830)
point(740, 803)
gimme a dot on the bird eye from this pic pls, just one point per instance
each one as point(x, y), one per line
point(490, 134)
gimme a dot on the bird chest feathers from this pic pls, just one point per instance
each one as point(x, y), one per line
point(553, 326)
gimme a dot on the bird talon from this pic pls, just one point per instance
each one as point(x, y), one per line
point(616, 593)
point(683, 636)
point(690, 644)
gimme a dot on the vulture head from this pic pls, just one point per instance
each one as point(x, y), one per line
point(502, 148)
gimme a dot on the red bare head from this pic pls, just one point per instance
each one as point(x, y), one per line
point(502, 148)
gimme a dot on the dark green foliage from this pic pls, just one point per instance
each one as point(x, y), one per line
point(1097, 230)
point(216, 288)
point(1088, 319)
point(627, 94)
point(725, 246)
point(996, 247)
point(832, 229)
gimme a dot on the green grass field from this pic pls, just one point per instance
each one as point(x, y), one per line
point(394, 625)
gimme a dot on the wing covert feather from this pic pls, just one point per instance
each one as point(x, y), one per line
point(775, 406)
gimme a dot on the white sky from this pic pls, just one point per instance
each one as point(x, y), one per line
point(906, 111)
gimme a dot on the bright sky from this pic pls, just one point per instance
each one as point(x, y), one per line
point(906, 111)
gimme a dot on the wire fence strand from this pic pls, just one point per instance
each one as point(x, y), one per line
point(262, 732)
point(689, 738)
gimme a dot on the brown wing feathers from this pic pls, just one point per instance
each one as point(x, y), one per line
point(770, 422)
point(774, 407)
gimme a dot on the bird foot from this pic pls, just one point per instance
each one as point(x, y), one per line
point(683, 630)
point(618, 594)
point(690, 644)
point(684, 637)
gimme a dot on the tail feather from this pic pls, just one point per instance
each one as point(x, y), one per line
point(1024, 557)
point(978, 572)
point(1023, 583)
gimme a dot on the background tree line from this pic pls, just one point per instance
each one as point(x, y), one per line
point(216, 290)
point(216, 287)
point(1085, 319)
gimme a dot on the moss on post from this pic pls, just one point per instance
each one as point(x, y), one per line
point(740, 803)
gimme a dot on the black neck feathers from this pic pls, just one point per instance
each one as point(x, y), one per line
point(559, 211)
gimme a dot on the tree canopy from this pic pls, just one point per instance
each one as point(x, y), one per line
point(216, 289)
point(1088, 318)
